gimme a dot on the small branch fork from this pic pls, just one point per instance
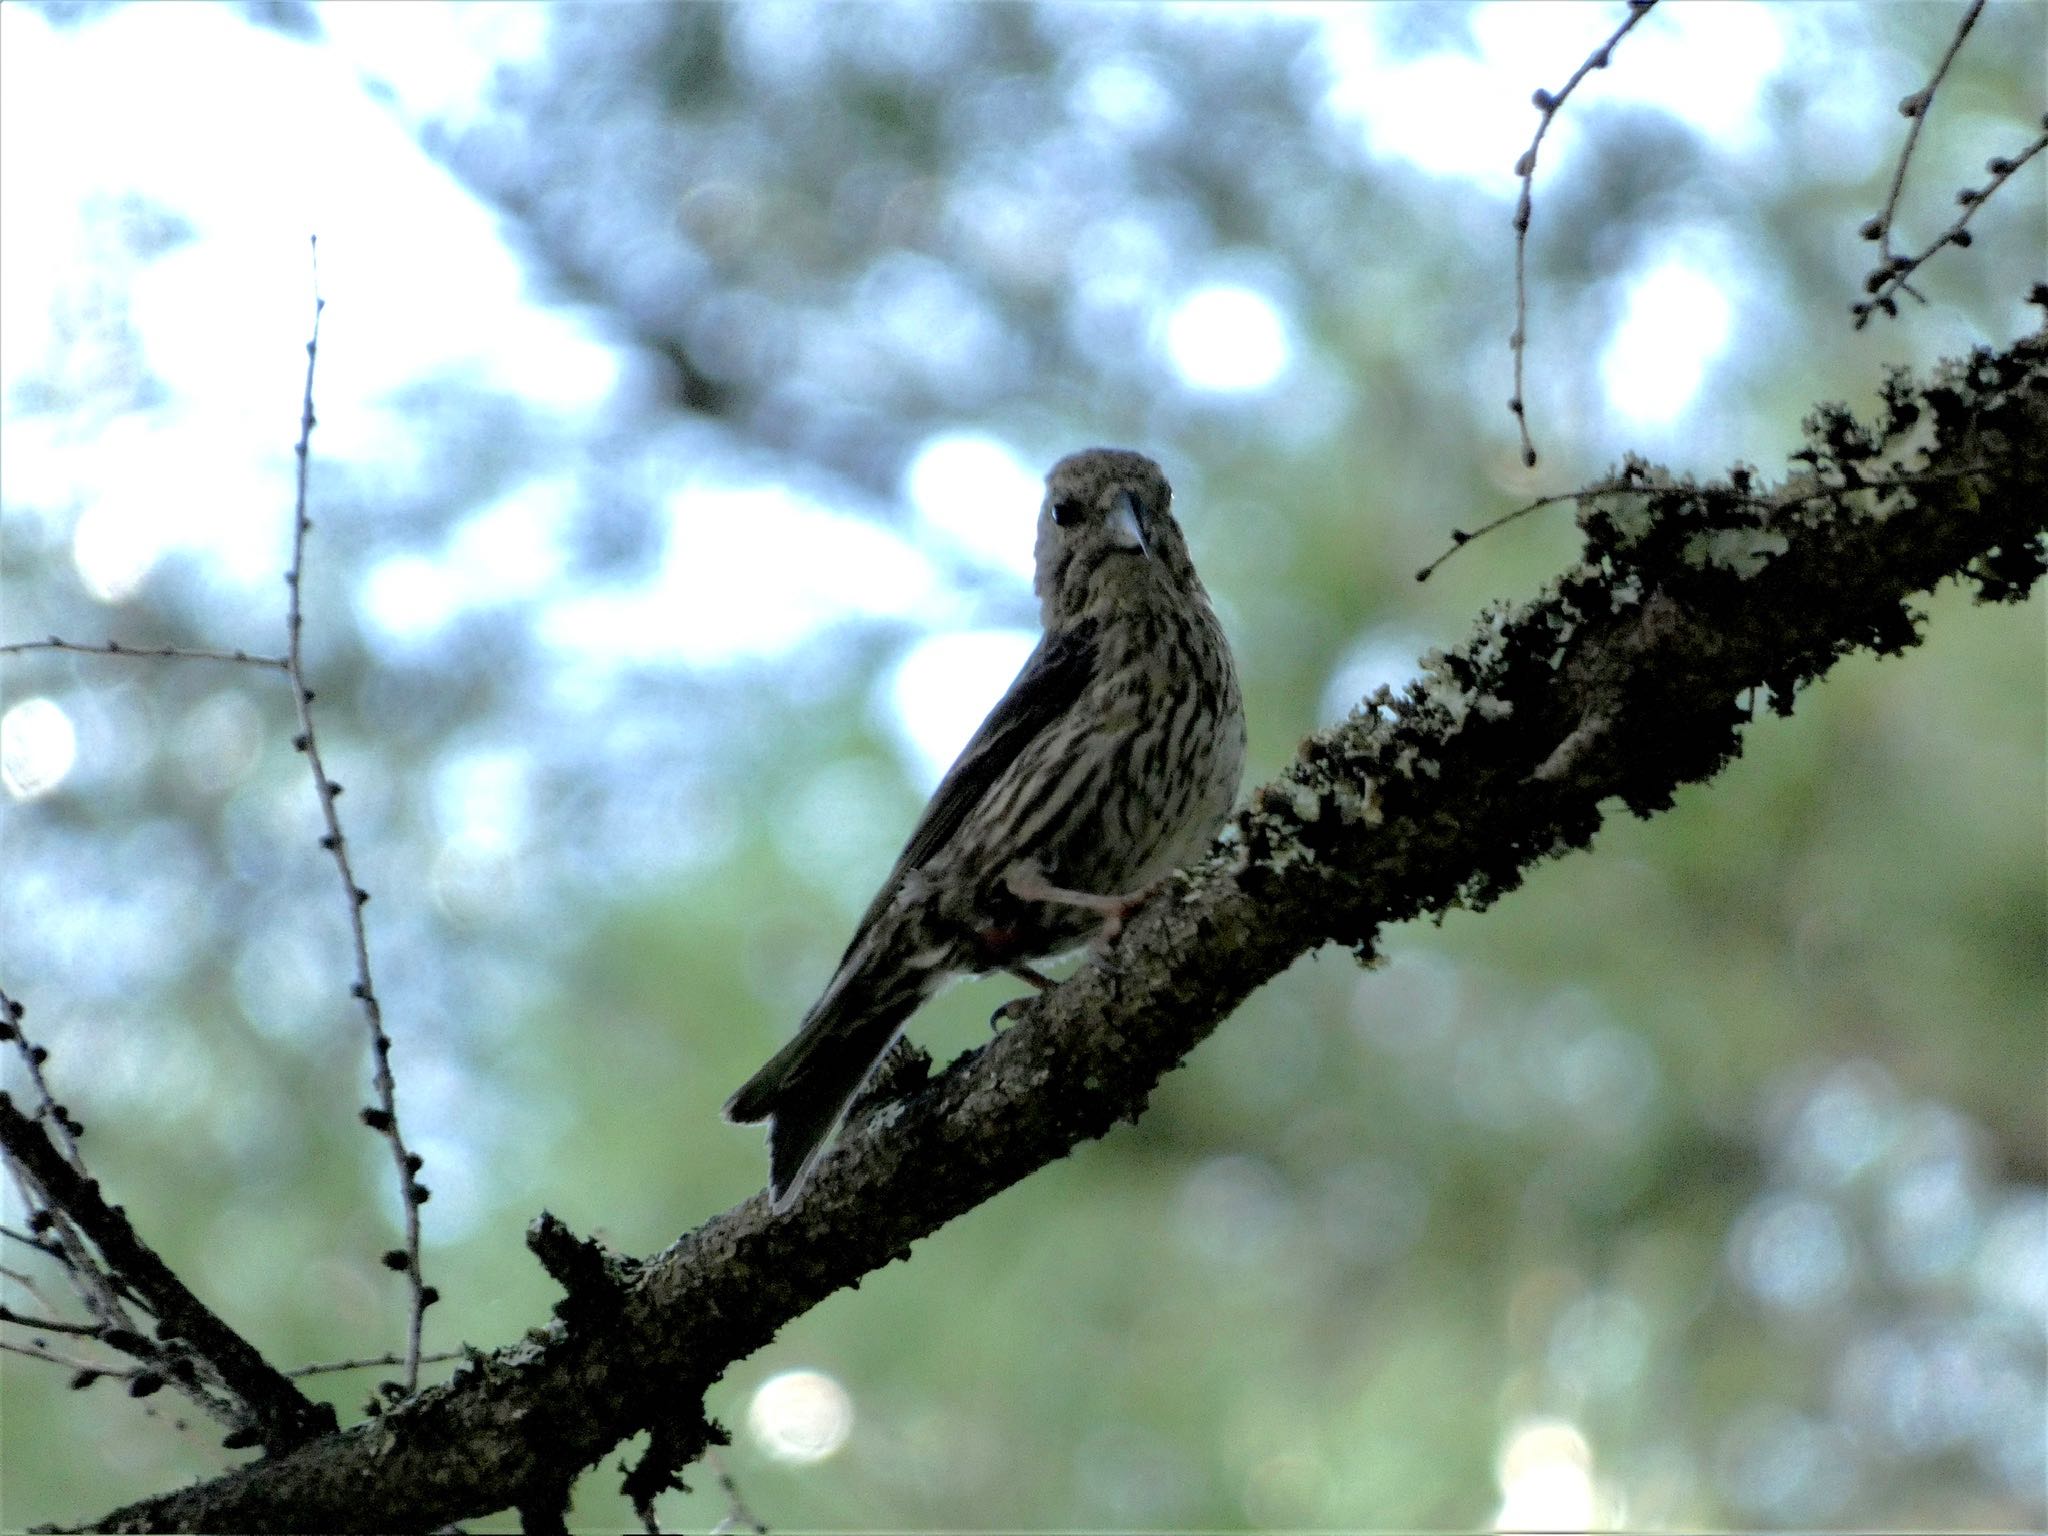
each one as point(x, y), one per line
point(1915, 107)
point(1548, 103)
point(1892, 274)
point(738, 1518)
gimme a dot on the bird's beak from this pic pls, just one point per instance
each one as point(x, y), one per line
point(1123, 525)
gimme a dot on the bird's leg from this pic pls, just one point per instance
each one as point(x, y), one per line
point(1028, 883)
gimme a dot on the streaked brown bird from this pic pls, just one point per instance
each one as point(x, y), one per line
point(1111, 761)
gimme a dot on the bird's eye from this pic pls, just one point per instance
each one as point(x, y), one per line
point(1066, 513)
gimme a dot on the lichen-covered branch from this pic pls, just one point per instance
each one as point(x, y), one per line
point(1624, 680)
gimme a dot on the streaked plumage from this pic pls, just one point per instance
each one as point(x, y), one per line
point(1111, 761)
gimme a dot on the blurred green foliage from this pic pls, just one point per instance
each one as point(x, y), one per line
point(1722, 1146)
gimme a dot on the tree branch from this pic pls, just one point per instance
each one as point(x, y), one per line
point(108, 1297)
point(1620, 681)
point(284, 1416)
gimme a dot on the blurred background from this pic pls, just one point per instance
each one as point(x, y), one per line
point(686, 378)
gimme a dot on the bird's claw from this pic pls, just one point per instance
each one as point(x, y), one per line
point(1014, 1008)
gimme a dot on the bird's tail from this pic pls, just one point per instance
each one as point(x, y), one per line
point(804, 1090)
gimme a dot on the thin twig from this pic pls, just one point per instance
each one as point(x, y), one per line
point(371, 1362)
point(49, 1324)
point(41, 1245)
point(67, 1247)
point(142, 652)
point(70, 1362)
point(383, 1116)
point(105, 1295)
point(1892, 275)
point(33, 1055)
point(737, 1516)
point(1915, 107)
point(1460, 538)
point(1548, 103)
point(25, 1280)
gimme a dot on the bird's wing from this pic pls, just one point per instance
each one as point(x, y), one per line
point(1045, 689)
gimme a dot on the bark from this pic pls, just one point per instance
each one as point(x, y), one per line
point(1631, 675)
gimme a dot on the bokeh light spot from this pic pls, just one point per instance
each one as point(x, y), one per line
point(747, 571)
point(1381, 658)
point(800, 1416)
point(1233, 1210)
point(945, 686)
point(978, 493)
point(1227, 339)
point(1784, 1468)
point(219, 743)
point(1546, 1479)
point(114, 547)
point(38, 746)
point(1676, 321)
point(409, 597)
point(1792, 1251)
point(1600, 1343)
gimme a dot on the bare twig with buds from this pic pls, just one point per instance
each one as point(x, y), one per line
point(382, 1116)
point(1893, 272)
point(1548, 103)
point(142, 652)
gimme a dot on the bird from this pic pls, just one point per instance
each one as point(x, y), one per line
point(1111, 761)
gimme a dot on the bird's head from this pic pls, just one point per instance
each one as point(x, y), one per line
point(1107, 538)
